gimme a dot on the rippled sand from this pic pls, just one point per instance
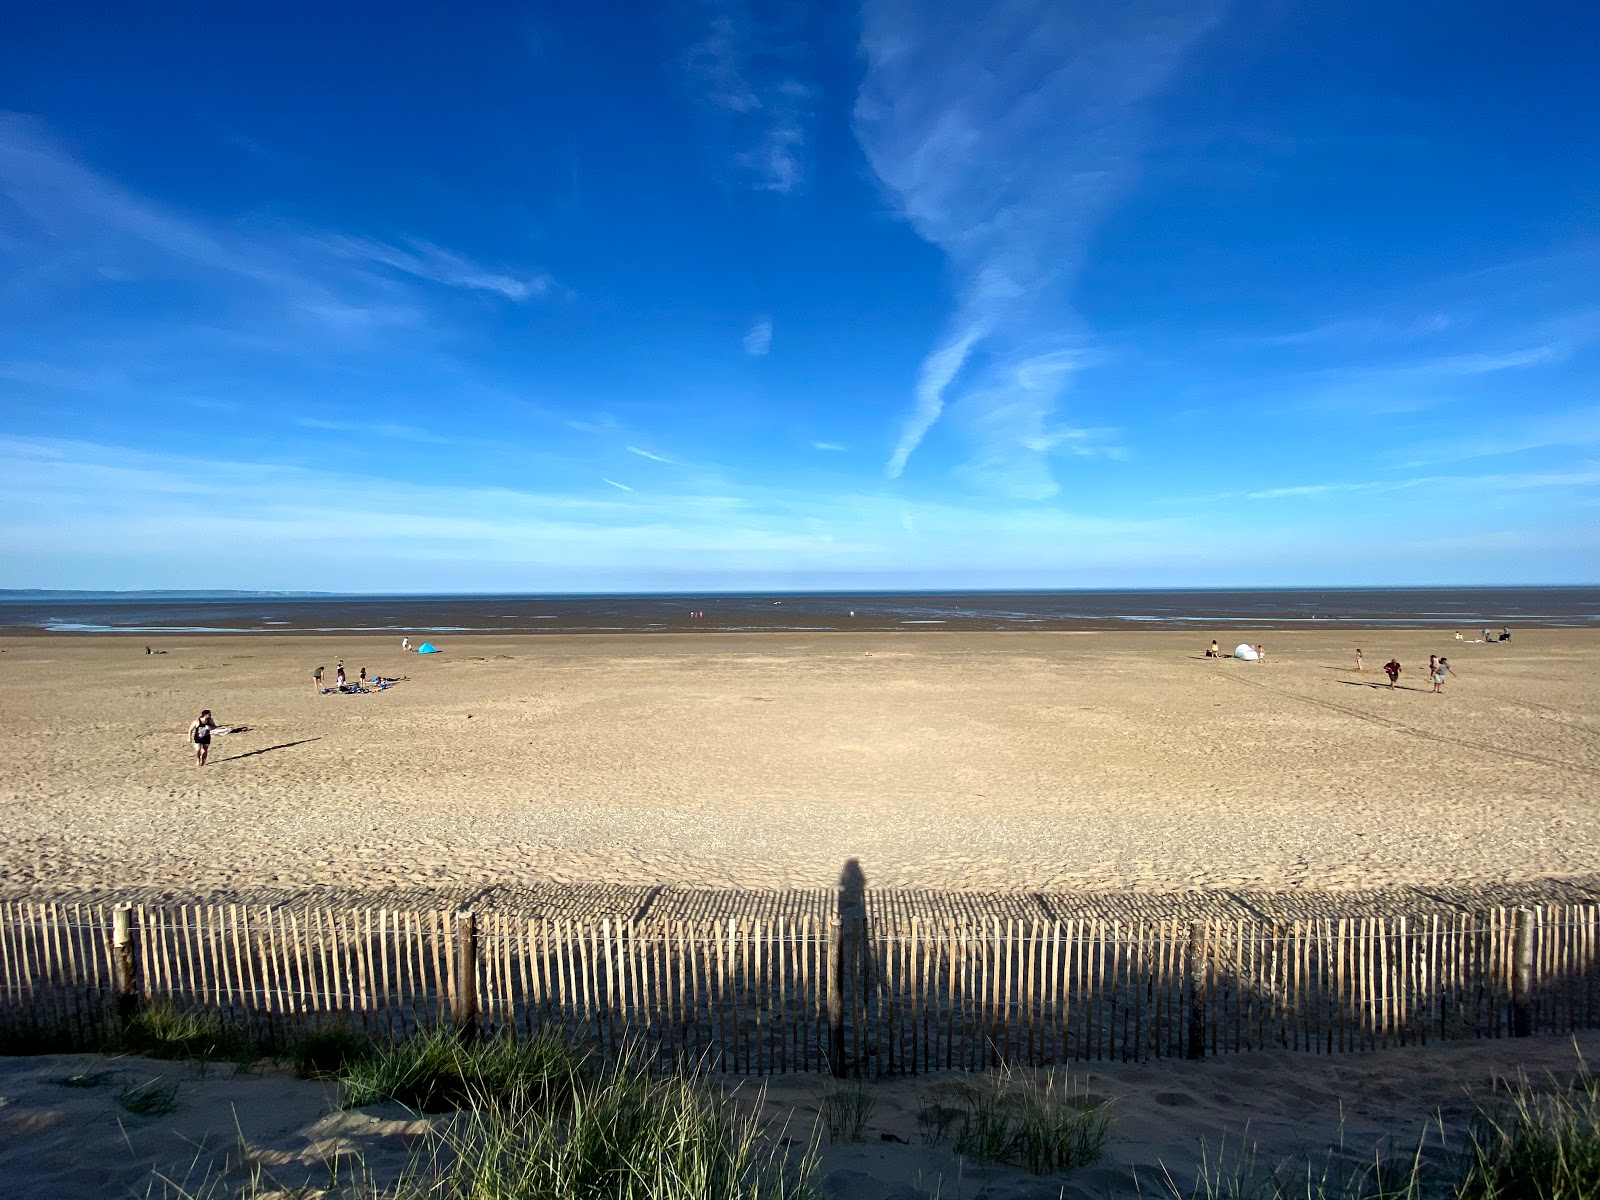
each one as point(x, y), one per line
point(977, 761)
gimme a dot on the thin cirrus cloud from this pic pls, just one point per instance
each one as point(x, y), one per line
point(621, 487)
point(425, 261)
point(652, 456)
point(70, 218)
point(758, 338)
point(831, 447)
point(384, 429)
point(1003, 136)
point(81, 513)
point(747, 68)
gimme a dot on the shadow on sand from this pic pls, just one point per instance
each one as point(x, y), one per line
point(267, 749)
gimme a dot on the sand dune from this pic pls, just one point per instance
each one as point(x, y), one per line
point(992, 761)
point(75, 1143)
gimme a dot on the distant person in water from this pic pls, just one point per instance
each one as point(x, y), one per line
point(316, 680)
point(1358, 658)
point(200, 736)
point(1440, 670)
point(1392, 670)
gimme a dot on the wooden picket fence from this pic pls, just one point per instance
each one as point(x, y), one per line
point(813, 993)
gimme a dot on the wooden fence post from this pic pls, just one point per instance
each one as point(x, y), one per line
point(124, 956)
point(836, 995)
point(1522, 975)
point(1194, 969)
point(465, 1010)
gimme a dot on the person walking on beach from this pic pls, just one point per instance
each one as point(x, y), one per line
point(1440, 670)
point(316, 680)
point(200, 736)
point(1392, 670)
point(1358, 658)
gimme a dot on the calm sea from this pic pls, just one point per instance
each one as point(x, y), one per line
point(1466, 608)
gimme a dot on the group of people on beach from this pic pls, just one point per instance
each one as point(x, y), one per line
point(1439, 669)
point(342, 684)
point(1217, 652)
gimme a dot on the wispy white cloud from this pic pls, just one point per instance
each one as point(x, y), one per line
point(423, 260)
point(1505, 481)
point(73, 223)
point(77, 514)
point(1572, 429)
point(836, 447)
point(748, 67)
point(383, 429)
point(1417, 384)
point(758, 338)
point(652, 456)
point(621, 487)
point(1003, 136)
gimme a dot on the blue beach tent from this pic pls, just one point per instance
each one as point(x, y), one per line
point(427, 648)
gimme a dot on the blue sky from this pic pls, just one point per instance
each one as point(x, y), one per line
point(712, 294)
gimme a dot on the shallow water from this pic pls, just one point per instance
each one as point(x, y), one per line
point(1470, 609)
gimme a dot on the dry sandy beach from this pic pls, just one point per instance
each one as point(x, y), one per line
point(1168, 1118)
point(959, 761)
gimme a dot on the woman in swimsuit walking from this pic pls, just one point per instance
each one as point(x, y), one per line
point(200, 736)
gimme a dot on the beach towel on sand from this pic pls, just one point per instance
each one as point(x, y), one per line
point(427, 648)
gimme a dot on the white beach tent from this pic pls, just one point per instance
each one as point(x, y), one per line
point(1245, 651)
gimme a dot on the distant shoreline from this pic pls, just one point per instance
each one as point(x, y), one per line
point(1445, 609)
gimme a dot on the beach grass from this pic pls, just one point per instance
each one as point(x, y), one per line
point(153, 1098)
point(542, 1118)
point(1542, 1143)
point(1043, 1123)
point(437, 1071)
point(845, 1108)
point(1531, 1142)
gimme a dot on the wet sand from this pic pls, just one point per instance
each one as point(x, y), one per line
point(1009, 762)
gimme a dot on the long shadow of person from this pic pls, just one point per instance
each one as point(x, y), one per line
point(859, 962)
point(852, 891)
